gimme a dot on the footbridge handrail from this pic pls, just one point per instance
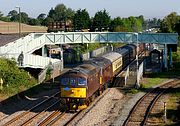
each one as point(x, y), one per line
point(33, 61)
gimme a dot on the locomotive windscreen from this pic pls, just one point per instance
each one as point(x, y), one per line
point(78, 81)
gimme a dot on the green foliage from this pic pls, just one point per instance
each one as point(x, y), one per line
point(169, 22)
point(1, 14)
point(133, 91)
point(81, 20)
point(6, 19)
point(130, 24)
point(101, 20)
point(61, 13)
point(33, 21)
point(12, 13)
point(15, 79)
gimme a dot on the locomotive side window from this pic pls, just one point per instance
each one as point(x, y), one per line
point(65, 81)
point(82, 81)
point(72, 81)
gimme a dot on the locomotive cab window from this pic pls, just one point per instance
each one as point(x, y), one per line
point(72, 81)
point(82, 81)
point(65, 81)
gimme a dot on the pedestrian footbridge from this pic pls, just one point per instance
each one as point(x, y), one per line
point(35, 41)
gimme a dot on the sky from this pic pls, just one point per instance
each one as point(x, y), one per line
point(123, 8)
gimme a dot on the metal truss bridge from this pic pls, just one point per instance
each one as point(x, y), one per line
point(35, 41)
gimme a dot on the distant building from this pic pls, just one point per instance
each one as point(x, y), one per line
point(60, 26)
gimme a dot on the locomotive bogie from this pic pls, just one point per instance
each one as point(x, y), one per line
point(75, 103)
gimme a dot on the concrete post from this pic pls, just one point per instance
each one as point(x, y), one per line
point(165, 57)
point(62, 59)
point(170, 61)
point(1, 82)
point(165, 116)
point(43, 52)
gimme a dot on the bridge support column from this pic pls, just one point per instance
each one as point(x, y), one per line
point(165, 56)
point(44, 51)
point(62, 59)
point(170, 61)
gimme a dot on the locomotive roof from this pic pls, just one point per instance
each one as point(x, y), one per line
point(84, 69)
point(122, 51)
point(132, 46)
point(112, 56)
point(100, 62)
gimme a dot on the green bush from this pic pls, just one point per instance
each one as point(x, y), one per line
point(14, 79)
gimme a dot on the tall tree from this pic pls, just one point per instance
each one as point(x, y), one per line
point(62, 13)
point(169, 22)
point(1, 14)
point(41, 17)
point(32, 21)
point(12, 13)
point(101, 20)
point(59, 13)
point(81, 19)
point(177, 27)
point(24, 17)
point(117, 25)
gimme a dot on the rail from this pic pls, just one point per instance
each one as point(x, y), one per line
point(149, 100)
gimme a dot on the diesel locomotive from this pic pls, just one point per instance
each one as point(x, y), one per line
point(83, 83)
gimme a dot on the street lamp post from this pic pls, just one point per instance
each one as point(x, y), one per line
point(137, 63)
point(19, 20)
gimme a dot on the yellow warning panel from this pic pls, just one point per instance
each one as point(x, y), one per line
point(73, 92)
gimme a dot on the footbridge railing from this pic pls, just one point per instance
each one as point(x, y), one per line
point(34, 41)
point(33, 61)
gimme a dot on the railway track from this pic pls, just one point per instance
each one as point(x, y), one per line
point(52, 118)
point(29, 115)
point(77, 117)
point(140, 112)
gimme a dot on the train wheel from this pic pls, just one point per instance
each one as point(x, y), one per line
point(93, 97)
point(100, 92)
point(105, 86)
point(88, 102)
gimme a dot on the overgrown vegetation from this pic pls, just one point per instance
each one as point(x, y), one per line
point(14, 79)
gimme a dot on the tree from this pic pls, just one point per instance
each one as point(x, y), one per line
point(24, 17)
point(41, 18)
point(12, 13)
point(81, 19)
point(169, 22)
point(32, 21)
point(59, 13)
point(101, 20)
point(177, 27)
point(47, 20)
point(115, 22)
point(1, 14)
